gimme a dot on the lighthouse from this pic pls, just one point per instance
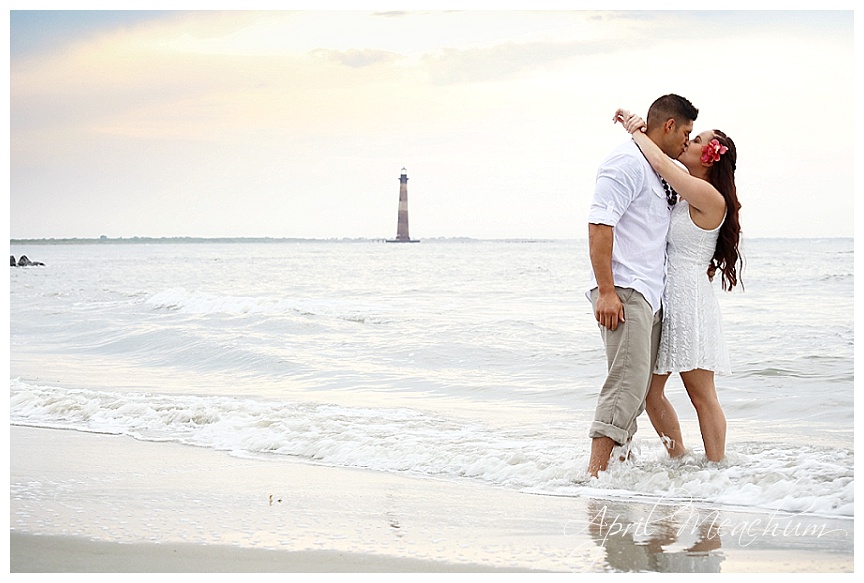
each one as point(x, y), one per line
point(402, 224)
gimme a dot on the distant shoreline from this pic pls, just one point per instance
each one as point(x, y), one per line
point(175, 240)
point(139, 240)
point(170, 240)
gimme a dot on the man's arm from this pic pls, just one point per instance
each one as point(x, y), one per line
point(609, 310)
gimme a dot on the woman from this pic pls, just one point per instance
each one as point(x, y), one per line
point(703, 239)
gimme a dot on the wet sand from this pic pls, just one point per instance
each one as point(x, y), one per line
point(95, 503)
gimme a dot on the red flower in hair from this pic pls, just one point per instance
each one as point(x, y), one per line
point(711, 151)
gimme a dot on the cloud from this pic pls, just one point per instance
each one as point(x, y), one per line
point(499, 114)
point(358, 58)
point(507, 60)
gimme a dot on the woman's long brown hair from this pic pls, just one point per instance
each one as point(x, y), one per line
point(727, 258)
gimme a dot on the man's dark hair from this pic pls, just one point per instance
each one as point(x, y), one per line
point(671, 106)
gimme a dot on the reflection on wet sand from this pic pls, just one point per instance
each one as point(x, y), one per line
point(666, 539)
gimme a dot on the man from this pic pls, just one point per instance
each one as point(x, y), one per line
point(627, 225)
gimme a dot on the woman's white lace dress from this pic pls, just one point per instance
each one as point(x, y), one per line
point(692, 334)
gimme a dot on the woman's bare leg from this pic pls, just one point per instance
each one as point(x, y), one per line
point(712, 422)
point(663, 416)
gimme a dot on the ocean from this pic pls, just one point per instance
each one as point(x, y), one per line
point(459, 360)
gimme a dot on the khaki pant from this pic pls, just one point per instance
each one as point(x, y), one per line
point(630, 354)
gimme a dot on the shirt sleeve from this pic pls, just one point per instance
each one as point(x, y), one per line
point(619, 179)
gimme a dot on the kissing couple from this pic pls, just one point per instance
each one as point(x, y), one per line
point(659, 231)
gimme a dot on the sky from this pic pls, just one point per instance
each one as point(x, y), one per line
point(233, 123)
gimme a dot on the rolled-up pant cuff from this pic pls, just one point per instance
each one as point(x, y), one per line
point(616, 434)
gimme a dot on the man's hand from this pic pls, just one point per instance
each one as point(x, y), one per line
point(609, 310)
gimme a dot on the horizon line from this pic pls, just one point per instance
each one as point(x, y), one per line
point(192, 239)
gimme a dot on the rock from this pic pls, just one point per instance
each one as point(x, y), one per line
point(25, 262)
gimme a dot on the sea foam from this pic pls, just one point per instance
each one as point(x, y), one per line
point(803, 479)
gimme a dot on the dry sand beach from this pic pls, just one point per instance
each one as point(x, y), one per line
point(92, 503)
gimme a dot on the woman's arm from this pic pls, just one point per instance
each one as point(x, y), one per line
point(699, 193)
